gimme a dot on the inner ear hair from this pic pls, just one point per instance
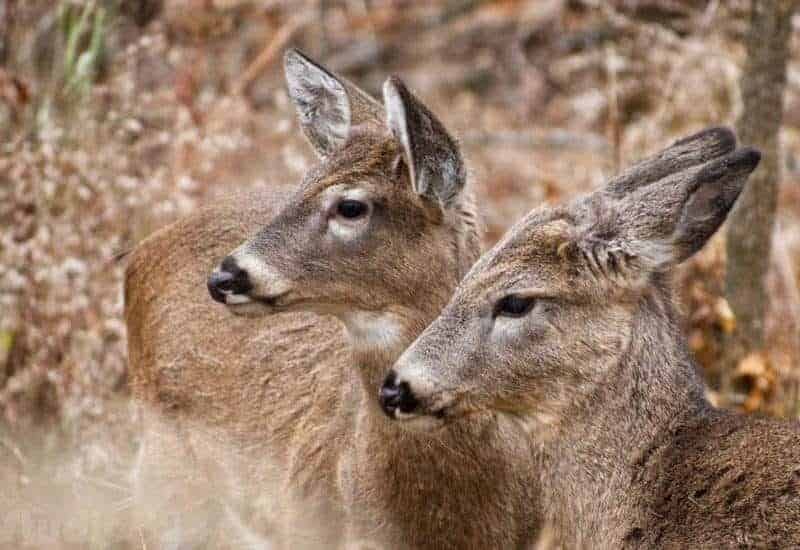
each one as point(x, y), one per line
point(329, 107)
point(624, 238)
point(613, 260)
point(667, 221)
point(435, 166)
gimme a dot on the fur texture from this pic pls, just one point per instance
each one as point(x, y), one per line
point(596, 369)
point(282, 393)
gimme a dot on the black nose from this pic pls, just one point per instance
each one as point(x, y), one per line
point(228, 279)
point(394, 396)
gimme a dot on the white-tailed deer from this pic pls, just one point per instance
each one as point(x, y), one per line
point(569, 326)
point(377, 235)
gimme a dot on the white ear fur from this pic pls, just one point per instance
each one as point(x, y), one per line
point(623, 263)
point(435, 166)
point(396, 119)
point(321, 101)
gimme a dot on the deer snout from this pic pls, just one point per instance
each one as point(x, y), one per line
point(396, 398)
point(229, 284)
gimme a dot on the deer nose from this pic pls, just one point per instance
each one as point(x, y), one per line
point(228, 280)
point(396, 396)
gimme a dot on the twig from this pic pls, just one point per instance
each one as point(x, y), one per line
point(141, 537)
point(269, 54)
point(14, 450)
point(613, 128)
point(122, 505)
point(104, 483)
point(359, 56)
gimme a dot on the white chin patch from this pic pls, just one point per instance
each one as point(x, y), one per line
point(236, 299)
point(374, 330)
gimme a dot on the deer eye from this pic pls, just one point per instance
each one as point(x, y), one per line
point(513, 306)
point(351, 209)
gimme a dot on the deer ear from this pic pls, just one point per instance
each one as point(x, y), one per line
point(434, 161)
point(328, 106)
point(673, 218)
point(662, 224)
point(693, 150)
point(718, 185)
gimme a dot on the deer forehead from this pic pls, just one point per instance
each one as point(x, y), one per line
point(363, 158)
point(376, 180)
point(531, 251)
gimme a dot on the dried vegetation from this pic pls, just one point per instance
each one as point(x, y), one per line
point(118, 117)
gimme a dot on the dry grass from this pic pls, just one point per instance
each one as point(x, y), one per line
point(100, 145)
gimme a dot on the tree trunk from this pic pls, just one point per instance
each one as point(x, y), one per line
point(752, 221)
point(6, 25)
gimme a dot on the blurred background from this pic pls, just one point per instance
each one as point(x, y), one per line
point(119, 116)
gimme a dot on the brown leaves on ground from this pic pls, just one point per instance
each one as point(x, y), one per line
point(763, 380)
point(756, 376)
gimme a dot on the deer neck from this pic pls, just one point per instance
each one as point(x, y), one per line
point(377, 338)
point(377, 341)
point(592, 465)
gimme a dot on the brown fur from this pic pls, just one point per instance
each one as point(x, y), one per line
point(596, 368)
point(283, 394)
point(223, 381)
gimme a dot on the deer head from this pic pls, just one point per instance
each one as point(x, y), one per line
point(538, 322)
point(378, 233)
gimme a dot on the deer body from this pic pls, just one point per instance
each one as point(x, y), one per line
point(228, 407)
point(651, 464)
point(464, 488)
point(377, 235)
point(568, 326)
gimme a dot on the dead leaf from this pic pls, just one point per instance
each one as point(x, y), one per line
point(760, 375)
point(725, 317)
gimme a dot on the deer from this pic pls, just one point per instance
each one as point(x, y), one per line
point(322, 291)
point(569, 326)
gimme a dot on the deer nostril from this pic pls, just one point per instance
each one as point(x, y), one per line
point(217, 283)
point(228, 279)
point(389, 399)
point(395, 397)
point(225, 281)
point(408, 403)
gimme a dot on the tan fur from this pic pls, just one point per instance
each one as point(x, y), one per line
point(596, 368)
point(279, 408)
point(230, 397)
